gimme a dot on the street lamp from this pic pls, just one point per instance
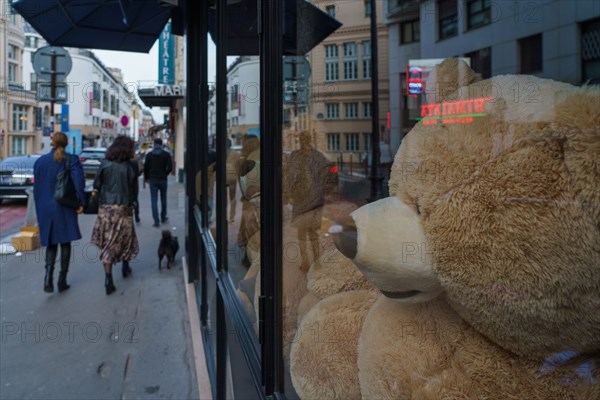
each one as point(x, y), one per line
point(375, 176)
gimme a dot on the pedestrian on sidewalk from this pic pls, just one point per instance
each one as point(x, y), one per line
point(157, 167)
point(57, 223)
point(138, 167)
point(114, 232)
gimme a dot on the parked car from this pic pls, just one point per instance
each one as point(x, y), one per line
point(91, 158)
point(16, 176)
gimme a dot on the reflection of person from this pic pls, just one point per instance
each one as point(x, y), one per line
point(249, 176)
point(157, 167)
point(57, 223)
point(233, 159)
point(212, 174)
point(114, 232)
point(307, 184)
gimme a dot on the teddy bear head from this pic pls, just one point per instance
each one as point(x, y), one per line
point(495, 205)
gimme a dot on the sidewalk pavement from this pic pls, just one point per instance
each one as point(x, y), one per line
point(83, 344)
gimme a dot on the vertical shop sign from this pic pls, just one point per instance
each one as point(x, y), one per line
point(166, 56)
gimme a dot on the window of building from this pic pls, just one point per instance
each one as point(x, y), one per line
point(33, 77)
point(13, 18)
point(333, 141)
point(531, 54)
point(351, 110)
point(367, 8)
point(12, 52)
point(12, 72)
point(410, 31)
point(352, 143)
point(105, 100)
point(332, 72)
point(19, 146)
point(19, 118)
point(479, 13)
point(590, 51)
point(39, 115)
point(366, 59)
point(333, 110)
point(330, 10)
point(447, 18)
point(350, 61)
point(32, 41)
point(481, 61)
point(367, 110)
point(367, 141)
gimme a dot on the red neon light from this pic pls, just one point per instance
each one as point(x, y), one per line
point(334, 169)
point(454, 112)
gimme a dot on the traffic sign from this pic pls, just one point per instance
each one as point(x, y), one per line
point(124, 120)
point(42, 63)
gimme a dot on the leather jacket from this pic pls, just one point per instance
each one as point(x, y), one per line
point(116, 183)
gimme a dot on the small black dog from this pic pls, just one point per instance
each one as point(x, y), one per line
point(168, 247)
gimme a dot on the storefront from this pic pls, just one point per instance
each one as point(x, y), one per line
point(261, 219)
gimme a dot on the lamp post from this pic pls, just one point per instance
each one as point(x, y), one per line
point(375, 177)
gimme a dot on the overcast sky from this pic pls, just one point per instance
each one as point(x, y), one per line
point(141, 69)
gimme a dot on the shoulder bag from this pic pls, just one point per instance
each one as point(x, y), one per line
point(65, 193)
point(91, 202)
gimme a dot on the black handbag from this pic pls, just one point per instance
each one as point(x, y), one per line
point(65, 193)
point(91, 202)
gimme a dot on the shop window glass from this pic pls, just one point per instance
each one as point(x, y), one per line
point(531, 54)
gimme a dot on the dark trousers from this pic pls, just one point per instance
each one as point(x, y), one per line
point(155, 187)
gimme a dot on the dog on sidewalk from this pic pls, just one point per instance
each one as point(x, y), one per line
point(168, 247)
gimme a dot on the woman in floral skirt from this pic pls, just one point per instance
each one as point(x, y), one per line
point(114, 232)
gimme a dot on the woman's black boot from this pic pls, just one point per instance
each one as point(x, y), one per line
point(65, 258)
point(51, 251)
point(48, 279)
point(126, 269)
point(109, 285)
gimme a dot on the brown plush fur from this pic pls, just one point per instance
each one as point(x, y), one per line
point(510, 207)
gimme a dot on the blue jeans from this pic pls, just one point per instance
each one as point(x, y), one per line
point(155, 187)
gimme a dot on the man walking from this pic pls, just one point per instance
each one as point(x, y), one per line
point(156, 170)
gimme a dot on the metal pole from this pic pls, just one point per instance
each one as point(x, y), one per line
point(376, 177)
point(52, 88)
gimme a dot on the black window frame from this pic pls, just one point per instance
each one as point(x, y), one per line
point(485, 10)
point(447, 12)
point(530, 62)
point(415, 25)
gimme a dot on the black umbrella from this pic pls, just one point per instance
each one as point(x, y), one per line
point(134, 25)
point(127, 25)
point(305, 26)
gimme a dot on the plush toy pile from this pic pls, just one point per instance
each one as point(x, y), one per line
point(486, 256)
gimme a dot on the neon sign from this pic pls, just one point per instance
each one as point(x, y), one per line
point(454, 112)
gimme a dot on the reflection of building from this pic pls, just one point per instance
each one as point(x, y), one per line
point(551, 39)
point(243, 90)
point(341, 82)
point(21, 120)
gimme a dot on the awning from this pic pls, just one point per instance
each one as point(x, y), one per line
point(132, 25)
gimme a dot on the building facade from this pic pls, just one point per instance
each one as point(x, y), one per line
point(21, 118)
point(340, 88)
point(555, 39)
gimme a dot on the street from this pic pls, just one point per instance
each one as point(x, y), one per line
point(12, 216)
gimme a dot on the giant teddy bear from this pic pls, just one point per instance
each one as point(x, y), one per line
point(486, 254)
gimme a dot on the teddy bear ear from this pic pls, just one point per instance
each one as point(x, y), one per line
point(446, 78)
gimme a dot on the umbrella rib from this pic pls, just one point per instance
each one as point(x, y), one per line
point(129, 31)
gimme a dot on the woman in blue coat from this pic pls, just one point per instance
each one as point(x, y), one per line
point(57, 223)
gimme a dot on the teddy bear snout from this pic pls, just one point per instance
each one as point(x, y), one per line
point(345, 239)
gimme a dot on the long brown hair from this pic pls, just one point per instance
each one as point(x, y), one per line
point(60, 140)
